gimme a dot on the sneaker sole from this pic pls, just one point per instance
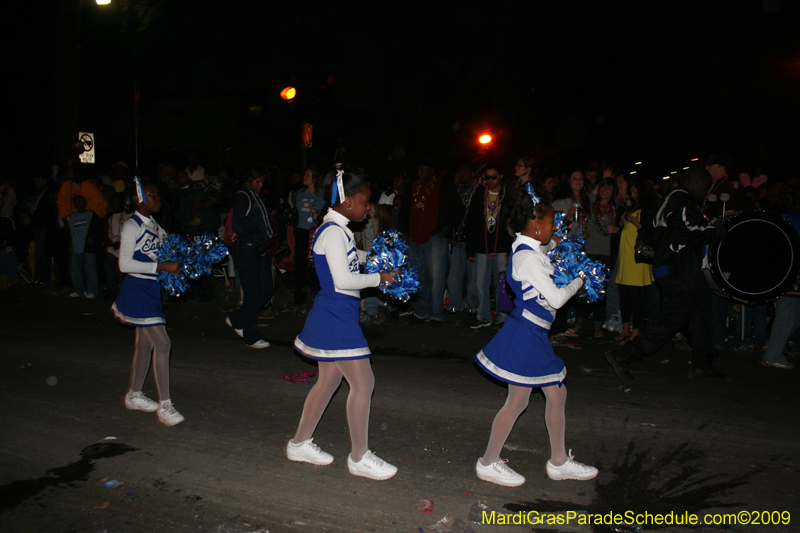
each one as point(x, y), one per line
point(170, 424)
point(498, 482)
point(134, 408)
point(303, 460)
point(576, 478)
point(368, 476)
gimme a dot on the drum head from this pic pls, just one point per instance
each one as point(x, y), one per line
point(757, 261)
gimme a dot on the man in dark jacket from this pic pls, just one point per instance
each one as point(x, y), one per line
point(427, 218)
point(488, 241)
point(681, 232)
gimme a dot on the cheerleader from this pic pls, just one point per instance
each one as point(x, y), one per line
point(521, 355)
point(332, 336)
point(139, 303)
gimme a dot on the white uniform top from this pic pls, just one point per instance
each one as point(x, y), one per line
point(138, 246)
point(534, 270)
point(337, 244)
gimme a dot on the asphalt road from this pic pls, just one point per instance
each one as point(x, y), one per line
point(670, 444)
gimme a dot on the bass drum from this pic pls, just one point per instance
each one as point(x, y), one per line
point(757, 260)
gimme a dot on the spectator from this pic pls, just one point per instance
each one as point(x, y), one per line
point(488, 241)
point(74, 184)
point(254, 229)
point(523, 171)
point(310, 204)
point(604, 223)
point(87, 235)
point(427, 215)
point(387, 197)
point(194, 171)
point(196, 214)
point(572, 200)
point(633, 277)
point(461, 270)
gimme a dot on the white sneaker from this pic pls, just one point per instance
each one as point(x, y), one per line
point(168, 416)
point(307, 452)
point(261, 343)
point(74, 294)
point(571, 470)
point(499, 472)
point(239, 332)
point(371, 466)
point(139, 402)
point(90, 296)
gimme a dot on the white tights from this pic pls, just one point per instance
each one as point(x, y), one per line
point(153, 340)
point(358, 374)
point(516, 403)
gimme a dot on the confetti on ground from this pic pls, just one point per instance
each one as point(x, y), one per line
point(103, 506)
point(300, 377)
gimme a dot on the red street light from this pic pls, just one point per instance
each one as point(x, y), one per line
point(289, 93)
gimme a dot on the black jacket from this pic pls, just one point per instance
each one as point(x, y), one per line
point(251, 220)
point(478, 240)
point(680, 233)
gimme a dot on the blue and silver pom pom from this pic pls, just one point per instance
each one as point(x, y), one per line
point(196, 258)
point(390, 253)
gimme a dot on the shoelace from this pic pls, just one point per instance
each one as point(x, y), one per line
point(169, 409)
point(572, 460)
point(316, 449)
point(373, 459)
point(501, 466)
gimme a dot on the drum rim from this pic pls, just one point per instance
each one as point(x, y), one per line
point(791, 236)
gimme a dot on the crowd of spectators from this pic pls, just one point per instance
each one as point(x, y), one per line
point(61, 226)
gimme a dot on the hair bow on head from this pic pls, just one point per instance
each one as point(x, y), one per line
point(139, 190)
point(529, 189)
point(338, 186)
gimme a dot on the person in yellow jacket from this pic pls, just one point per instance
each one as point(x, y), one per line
point(633, 277)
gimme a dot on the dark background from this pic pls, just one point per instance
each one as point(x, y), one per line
point(567, 82)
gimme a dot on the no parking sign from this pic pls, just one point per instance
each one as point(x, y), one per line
point(87, 139)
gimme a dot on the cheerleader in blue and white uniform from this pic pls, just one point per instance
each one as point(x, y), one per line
point(521, 354)
point(332, 335)
point(139, 303)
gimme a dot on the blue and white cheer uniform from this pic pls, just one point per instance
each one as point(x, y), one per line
point(521, 353)
point(331, 331)
point(139, 301)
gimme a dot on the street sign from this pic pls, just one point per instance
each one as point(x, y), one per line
point(308, 131)
point(88, 146)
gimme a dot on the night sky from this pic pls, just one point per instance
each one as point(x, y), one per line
point(567, 82)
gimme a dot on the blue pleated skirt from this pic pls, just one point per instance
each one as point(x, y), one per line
point(139, 303)
point(332, 331)
point(521, 354)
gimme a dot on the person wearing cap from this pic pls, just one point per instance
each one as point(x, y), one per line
point(427, 218)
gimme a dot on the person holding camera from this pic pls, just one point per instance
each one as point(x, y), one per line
point(254, 232)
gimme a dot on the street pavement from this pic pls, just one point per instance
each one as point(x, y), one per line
point(663, 443)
